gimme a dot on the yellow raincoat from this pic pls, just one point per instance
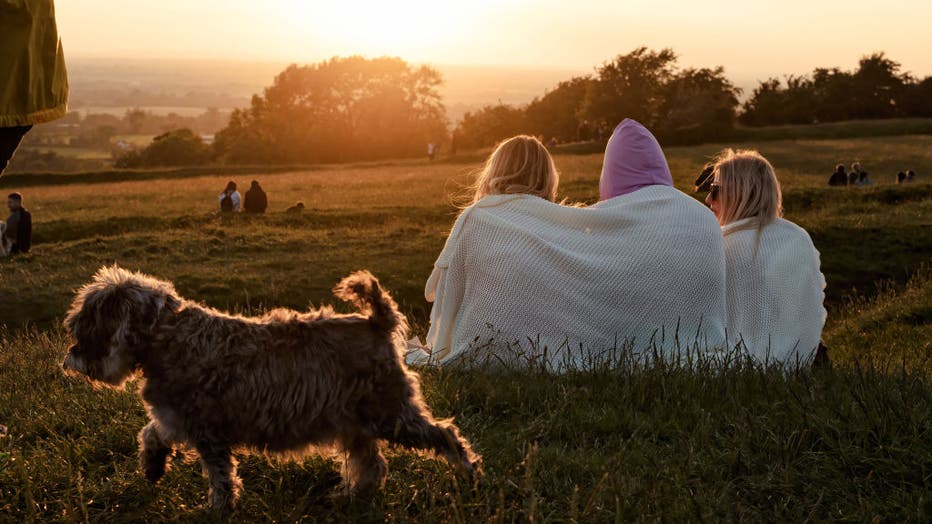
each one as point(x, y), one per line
point(33, 81)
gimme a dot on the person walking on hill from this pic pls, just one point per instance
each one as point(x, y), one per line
point(230, 199)
point(910, 176)
point(256, 199)
point(33, 80)
point(18, 233)
point(839, 177)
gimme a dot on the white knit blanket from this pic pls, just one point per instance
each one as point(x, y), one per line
point(774, 290)
point(521, 271)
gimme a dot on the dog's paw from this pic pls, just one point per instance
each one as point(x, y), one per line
point(154, 464)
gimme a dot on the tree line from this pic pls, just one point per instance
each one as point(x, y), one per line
point(354, 108)
point(876, 89)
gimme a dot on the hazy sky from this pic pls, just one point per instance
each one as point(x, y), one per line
point(752, 39)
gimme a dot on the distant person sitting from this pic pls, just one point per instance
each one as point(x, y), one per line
point(861, 177)
point(18, 233)
point(256, 199)
point(839, 177)
point(900, 177)
point(296, 209)
point(230, 199)
point(910, 176)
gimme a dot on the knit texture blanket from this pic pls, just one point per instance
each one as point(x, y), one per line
point(566, 282)
point(774, 290)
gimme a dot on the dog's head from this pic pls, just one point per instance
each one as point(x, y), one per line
point(111, 319)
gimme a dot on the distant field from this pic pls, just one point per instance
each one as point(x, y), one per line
point(741, 443)
point(73, 152)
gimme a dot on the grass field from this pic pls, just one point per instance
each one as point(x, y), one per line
point(662, 443)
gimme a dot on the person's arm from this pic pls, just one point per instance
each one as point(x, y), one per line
point(446, 289)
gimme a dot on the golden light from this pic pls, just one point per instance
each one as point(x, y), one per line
point(401, 27)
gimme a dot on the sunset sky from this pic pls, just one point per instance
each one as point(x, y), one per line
point(751, 39)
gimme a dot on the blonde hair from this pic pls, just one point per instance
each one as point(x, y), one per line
point(748, 188)
point(519, 165)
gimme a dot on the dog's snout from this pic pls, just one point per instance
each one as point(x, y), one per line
point(70, 362)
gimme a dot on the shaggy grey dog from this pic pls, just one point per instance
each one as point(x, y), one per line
point(287, 382)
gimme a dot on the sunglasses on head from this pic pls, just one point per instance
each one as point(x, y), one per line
point(713, 191)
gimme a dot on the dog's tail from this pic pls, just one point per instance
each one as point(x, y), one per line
point(363, 289)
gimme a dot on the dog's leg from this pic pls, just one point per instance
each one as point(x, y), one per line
point(220, 468)
point(154, 451)
point(418, 430)
point(365, 468)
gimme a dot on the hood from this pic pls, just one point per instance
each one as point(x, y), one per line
point(633, 159)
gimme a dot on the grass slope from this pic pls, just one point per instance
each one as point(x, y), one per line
point(633, 443)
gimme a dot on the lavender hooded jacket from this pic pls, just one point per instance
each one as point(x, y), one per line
point(633, 160)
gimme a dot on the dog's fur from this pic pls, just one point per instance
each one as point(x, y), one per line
point(283, 383)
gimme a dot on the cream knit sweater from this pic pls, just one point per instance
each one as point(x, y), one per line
point(518, 270)
point(774, 290)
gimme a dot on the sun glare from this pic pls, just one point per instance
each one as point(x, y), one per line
point(405, 27)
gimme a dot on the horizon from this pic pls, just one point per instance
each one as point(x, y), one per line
point(517, 35)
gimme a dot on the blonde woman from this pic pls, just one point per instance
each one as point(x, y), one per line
point(523, 279)
point(774, 287)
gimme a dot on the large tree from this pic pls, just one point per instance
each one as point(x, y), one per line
point(630, 86)
point(698, 104)
point(555, 113)
point(339, 110)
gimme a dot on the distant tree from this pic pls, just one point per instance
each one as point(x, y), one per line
point(337, 110)
point(765, 105)
point(556, 113)
point(491, 124)
point(832, 94)
point(917, 98)
point(876, 86)
point(135, 119)
point(876, 89)
point(630, 86)
point(697, 104)
point(97, 137)
point(180, 147)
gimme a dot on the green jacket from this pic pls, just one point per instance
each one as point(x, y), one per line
point(33, 80)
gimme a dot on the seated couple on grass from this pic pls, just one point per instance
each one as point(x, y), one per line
point(647, 270)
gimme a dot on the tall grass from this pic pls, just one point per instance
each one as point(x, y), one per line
point(740, 441)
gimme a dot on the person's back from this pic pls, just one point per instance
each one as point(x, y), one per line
point(256, 201)
point(774, 285)
point(775, 290)
point(230, 199)
point(18, 226)
point(839, 177)
point(639, 267)
point(645, 266)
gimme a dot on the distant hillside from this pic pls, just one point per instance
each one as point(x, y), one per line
point(110, 85)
